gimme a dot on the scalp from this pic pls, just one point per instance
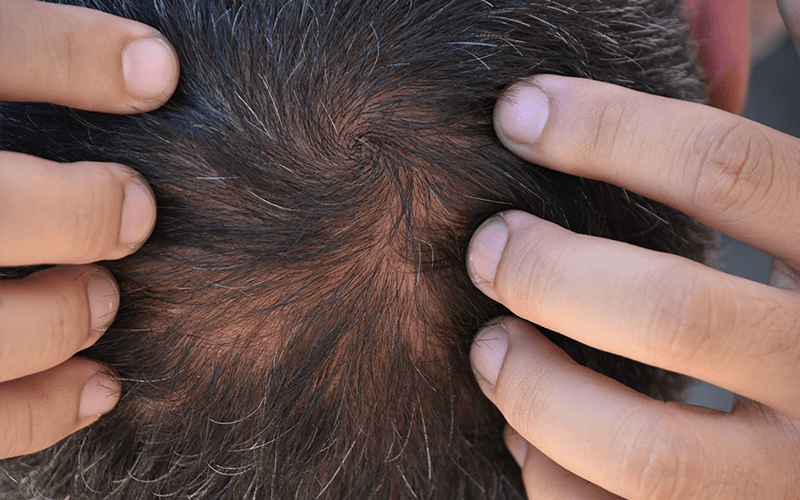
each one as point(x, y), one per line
point(299, 322)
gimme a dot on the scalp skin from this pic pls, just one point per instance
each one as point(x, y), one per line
point(299, 322)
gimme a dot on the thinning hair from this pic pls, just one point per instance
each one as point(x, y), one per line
point(298, 324)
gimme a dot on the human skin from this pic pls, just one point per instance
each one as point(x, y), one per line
point(68, 214)
point(579, 435)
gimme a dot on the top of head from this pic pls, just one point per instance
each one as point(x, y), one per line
point(299, 321)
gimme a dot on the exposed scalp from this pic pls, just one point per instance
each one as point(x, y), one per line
point(298, 324)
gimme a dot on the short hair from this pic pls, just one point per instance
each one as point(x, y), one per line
point(298, 325)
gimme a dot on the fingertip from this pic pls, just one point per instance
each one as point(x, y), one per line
point(103, 294)
point(497, 255)
point(505, 340)
point(40, 409)
point(520, 114)
point(99, 396)
point(488, 351)
point(486, 249)
point(138, 212)
point(83, 58)
point(150, 68)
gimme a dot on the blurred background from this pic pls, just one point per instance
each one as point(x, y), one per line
point(771, 100)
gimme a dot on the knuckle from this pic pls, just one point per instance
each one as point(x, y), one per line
point(91, 212)
point(64, 323)
point(777, 346)
point(530, 268)
point(60, 56)
point(684, 318)
point(735, 166)
point(16, 430)
point(662, 461)
point(526, 398)
point(614, 118)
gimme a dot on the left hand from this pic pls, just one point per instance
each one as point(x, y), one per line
point(68, 214)
point(580, 434)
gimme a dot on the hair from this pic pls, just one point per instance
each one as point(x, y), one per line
point(298, 325)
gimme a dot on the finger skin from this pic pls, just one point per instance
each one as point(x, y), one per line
point(48, 316)
point(546, 480)
point(782, 275)
point(39, 410)
point(790, 11)
point(732, 174)
point(76, 57)
point(75, 213)
point(628, 444)
point(721, 29)
point(656, 308)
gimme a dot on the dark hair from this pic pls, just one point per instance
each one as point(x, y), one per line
point(299, 322)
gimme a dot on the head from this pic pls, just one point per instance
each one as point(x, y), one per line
point(298, 325)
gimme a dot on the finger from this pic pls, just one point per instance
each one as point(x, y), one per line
point(82, 58)
point(782, 275)
point(730, 173)
point(74, 213)
point(656, 308)
point(39, 410)
point(48, 316)
point(623, 441)
point(790, 11)
point(545, 479)
point(721, 29)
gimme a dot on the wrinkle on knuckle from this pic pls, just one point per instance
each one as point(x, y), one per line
point(17, 429)
point(90, 226)
point(527, 399)
point(30, 429)
point(777, 345)
point(736, 166)
point(662, 461)
point(521, 286)
point(63, 324)
point(59, 52)
point(683, 317)
point(608, 139)
point(59, 48)
point(5, 432)
point(745, 482)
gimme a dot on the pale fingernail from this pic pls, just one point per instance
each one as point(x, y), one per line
point(100, 395)
point(521, 115)
point(486, 248)
point(516, 444)
point(103, 301)
point(489, 351)
point(138, 214)
point(149, 66)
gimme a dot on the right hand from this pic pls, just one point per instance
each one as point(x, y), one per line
point(70, 214)
point(578, 434)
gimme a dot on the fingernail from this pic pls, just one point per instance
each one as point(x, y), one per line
point(486, 249)
point(148, 65)
point(488, 351)
point(103, 301)
point(521, 115)
point(138, 214)
point(516, 445)
point(99, 396)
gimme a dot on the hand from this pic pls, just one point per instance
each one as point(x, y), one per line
point(577, 434)
point(67, 214)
